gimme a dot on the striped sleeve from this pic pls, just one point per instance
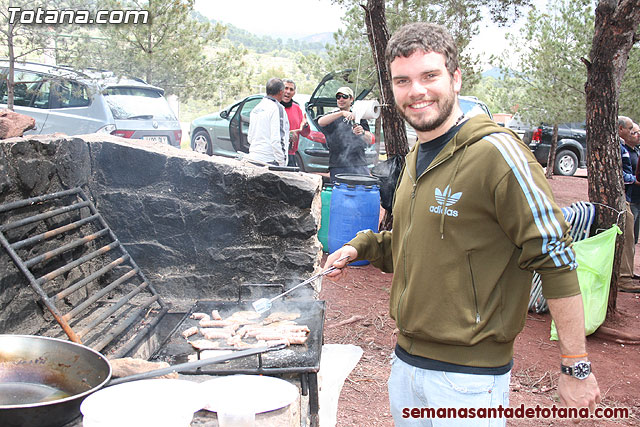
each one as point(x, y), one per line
point(538, 220)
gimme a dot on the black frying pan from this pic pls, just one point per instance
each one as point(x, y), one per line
point(44, 380)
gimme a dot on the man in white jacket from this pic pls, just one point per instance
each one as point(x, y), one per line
point(269, 127)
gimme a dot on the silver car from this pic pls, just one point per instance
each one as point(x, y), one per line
point(61, 99)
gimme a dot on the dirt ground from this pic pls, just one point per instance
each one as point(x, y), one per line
point(362, 299)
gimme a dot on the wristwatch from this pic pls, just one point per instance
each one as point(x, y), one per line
point(579, 370)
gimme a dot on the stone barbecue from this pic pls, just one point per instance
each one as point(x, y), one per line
point(197, 226)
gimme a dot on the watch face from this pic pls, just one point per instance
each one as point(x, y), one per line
point(581, 370)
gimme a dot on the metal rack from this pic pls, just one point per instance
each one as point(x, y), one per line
point(80, 271)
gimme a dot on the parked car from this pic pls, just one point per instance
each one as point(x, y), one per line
point(571, 152)
point(74, 102)
point(518, 126)
point(472, 106)
point(225, 133)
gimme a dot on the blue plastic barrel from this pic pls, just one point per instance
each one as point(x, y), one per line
point(355, 206)
point(323, 232)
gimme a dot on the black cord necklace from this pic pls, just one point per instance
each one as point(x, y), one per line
point(460, 119)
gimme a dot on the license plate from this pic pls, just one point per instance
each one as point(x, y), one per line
point(160, 139)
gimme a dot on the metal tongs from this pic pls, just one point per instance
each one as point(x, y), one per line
point(264, 304)
point(244, 157)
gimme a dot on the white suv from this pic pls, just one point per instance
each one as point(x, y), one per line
point(61, 99)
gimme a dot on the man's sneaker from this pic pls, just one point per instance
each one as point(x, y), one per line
point(627, 285)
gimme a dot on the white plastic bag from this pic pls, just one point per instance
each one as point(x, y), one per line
point(336, 364)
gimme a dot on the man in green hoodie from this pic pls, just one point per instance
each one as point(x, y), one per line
point(473, 218)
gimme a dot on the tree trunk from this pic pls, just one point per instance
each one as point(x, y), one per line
point(551, 160)
point(395, 134)
point(149, 59)
point(614, 35)
point(12, 59)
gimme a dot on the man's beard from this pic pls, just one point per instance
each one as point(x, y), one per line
point(446, 107)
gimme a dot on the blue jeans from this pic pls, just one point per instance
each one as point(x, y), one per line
point(411, 387)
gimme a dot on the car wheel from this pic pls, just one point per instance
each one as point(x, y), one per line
point(201, 142)
point(299, 162)
point(566, 163)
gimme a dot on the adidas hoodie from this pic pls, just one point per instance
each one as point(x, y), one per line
point(467, 235)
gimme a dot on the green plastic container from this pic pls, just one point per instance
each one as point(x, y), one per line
point(323, 233)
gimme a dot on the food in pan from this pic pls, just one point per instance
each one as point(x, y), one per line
point(189, 332)
point(279, 315)
point(278, 342)
point(216, 333)
point(234, 340)
point(216, 323)
point(266, 336)
point(241, 345)
point(297, 340)
point(294, 328)
point(204, 344)
point(244, 329)
point(282, 323)
point(244, 315)
point(199, 316)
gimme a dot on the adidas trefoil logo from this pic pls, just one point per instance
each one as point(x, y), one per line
point(444, 200)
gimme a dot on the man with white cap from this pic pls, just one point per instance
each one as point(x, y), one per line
point(346, 139)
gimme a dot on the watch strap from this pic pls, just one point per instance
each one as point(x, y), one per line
point(567, 370)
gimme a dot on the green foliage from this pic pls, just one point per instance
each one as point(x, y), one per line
point(44, 38)
point(549, 87)
point(499, 94)
point(261, 79)
point(265, 44)
point(30, 41)
point(313, 66)
point(628, 102)
point(174, 51)
point(352, 49)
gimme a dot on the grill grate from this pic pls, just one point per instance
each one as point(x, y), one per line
point(303, 360)
point(297, 358)
point(80, 271)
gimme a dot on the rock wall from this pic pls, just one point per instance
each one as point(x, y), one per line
point(197, 226)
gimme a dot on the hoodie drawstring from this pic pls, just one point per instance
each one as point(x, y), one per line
point(443, 215)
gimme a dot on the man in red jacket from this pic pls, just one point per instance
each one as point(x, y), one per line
point(297, 121)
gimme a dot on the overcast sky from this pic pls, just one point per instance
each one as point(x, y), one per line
point(289, 18)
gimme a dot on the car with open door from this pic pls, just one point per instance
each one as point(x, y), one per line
point(313, 154)
point(225, 133)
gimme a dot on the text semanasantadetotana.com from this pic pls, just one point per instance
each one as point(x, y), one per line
point(69, 16)
point(517, 412)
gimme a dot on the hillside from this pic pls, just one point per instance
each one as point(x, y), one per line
point(263, 44)
point(267, 57)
